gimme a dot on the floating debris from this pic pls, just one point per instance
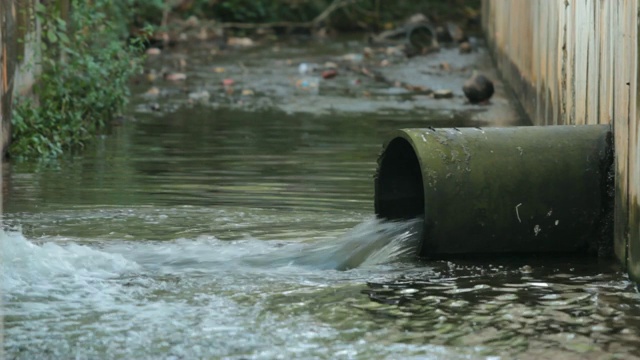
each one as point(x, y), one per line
point(478, 88)
point(240, 41)
point(175, 76)
point(443, 94)
point(202, 95)
point(465, 47)
point(329, 74)
point(153, 91)
point(153, 51)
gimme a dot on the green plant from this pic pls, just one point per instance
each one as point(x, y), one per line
point(86, 65)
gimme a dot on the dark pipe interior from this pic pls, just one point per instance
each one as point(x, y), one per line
point(399, 193)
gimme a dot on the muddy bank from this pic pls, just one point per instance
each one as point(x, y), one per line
point(330, 76)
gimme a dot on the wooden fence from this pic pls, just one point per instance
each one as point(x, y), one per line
point(576, 62)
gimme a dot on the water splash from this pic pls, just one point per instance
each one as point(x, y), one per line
point(372, 242)
point(67, 297)
point(52, 264)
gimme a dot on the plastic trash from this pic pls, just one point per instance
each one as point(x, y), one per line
point(308, 84)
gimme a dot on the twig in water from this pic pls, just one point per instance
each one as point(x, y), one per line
point(517, 214)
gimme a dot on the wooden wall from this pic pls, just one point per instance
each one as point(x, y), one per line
point(575, 62)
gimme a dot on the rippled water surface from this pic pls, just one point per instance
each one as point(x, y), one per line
point(202, 233)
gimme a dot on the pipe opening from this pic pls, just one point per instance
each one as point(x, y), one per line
point(399, 193)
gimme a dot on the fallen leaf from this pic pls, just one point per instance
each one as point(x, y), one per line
point(247, 92)
point(219, 70)
point(227, 82)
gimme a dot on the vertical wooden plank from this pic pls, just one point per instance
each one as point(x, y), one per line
point(606, 74)
point(536, 66)
point(549, 81)
point(569, 45)
point(561, 63)
point(633, 260)
point(621, 138)
point(555, 83)
point(582, 51)
point(593, 65)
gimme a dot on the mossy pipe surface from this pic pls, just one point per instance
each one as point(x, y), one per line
point(500, 190)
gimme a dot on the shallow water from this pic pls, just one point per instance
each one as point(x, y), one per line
point(205, 232)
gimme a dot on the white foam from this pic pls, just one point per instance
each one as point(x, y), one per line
point(33, 275)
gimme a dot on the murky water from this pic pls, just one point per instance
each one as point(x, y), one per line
point(204, 232)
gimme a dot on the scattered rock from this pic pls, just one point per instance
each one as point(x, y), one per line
point(192, 21)
point(175, 76)
point(395, 50)
point(151, 75)
point(240, 41)
point(444, 66)
point(418, 89)
point(442, 94)
point(478, 88)
point(330, 65)
point(202, 34)
point(153, 91)
point(456, 32)
point(153, 51)
point(417, 18)
point(367, 52)
point(199, 95)
point(384, 63)
point(465, 47)
point(353, 57)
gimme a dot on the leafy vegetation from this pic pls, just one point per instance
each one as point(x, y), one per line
point(85, 68)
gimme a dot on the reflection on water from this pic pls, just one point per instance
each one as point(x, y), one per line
point(219, 234)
